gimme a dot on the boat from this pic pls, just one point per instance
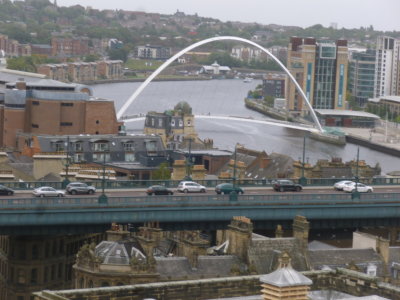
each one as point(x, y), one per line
point(248, 79)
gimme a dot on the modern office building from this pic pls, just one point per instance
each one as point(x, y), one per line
point(53, 108)
point(274, 85)
point(320, 68)
point(387, 70)
point(362, 76)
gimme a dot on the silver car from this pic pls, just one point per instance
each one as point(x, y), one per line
point(48, 191)
point(190, 187)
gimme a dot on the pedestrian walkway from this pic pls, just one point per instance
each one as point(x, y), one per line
point(389, 138)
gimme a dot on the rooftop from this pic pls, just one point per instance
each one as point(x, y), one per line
point(347, 113)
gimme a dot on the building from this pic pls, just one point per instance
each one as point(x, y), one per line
point(274, 85)
point(387, 74)
point(247, 54)
point(69, 46)
point(130, 156)
point(33, 263)
point(320, 68)
point(53, 108)
point(215, 70)
point(152, 52)
point(387, 107)
point(346, 118)
point(83, 71)
point(335, 168)
point(175, 127)
point(362, 76)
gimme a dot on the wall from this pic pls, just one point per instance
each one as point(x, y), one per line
point(351, 282)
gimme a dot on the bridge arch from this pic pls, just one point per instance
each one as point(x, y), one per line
point(206, 41)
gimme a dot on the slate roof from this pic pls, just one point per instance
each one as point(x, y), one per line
point(209, 266)
point(341, 258)
point(264, 254)
point(285, 277)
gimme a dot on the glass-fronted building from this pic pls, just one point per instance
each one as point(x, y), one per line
point(361, 76)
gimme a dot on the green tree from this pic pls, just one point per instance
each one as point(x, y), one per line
point(162, 173)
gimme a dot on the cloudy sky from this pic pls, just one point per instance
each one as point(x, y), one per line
point(382, 14)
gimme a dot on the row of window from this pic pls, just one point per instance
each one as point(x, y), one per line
point(62, 103)
point(61, 124)
point(100, 147)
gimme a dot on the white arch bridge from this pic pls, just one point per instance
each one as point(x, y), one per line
point(304, 127)
point(133, 97)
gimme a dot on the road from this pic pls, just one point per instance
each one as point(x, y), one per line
point(210, 191)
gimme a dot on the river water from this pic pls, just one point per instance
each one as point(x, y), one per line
point(226, 97)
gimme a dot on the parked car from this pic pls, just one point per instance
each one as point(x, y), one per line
point(191, 187)
point(341, 184)
point(6, 190)
point(283, 185)
point(227, 188)
point(362, 188)
point(48, 191)
point(80, 188)
point(158, 190)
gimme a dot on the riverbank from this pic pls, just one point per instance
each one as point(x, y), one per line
point(183, 78)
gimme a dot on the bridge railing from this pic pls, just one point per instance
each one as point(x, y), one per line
point(143, 202)
point(137, 184)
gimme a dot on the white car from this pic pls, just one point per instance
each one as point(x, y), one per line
point(48, 191)
point(190, 187)
point(341, 184)
point(361, 188)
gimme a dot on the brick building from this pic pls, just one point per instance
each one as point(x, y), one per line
point(69, 46)
point(83, 71)
point(53, 108)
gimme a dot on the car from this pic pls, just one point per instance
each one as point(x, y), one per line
point(341, 184)
point(361, 188)
point(6, 190)
point(48, 191)
point(190, 187)
point(158, 190)
point(227, 188)
point(283, 185)
point(80, 188)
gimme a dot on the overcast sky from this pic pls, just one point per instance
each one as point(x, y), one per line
point(382, 14)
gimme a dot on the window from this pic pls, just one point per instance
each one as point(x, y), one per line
point(35, 103)
point(67, 104)
point(129, 157)
point(180, 123)
point(35, 125)
point(78, 146)
point(34, 276)
point(173, 123)
point(35, 252)
point(101, 146)
point(160, 122)
point(59, 146)
point(128, 146)
point(65, 123)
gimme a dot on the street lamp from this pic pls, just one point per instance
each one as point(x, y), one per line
point(356, 193)
point(233, 194)
point(66, 180)
point(189, 161)
point(303, 179)
point(103, 197)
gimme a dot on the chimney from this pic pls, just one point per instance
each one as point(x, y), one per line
point(301, 228)
point(20, 84)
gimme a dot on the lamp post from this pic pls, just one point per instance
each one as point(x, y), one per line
point(303, 179)
point(356, 193)
point(233, 194)
point(103, 197)
point(189, 161)
point(66, 180)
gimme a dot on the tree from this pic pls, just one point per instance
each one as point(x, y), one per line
point(162, 173)
point(118, 54)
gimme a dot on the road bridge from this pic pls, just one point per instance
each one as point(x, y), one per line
point(35, 216)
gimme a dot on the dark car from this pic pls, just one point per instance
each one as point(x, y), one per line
point(80, 188)
point(227, 188)
point(159, 190)
point(286, 185)
point(6, 190)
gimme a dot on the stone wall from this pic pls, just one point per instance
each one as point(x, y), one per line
point(343, 280)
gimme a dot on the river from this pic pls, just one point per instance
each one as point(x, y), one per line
point(225, 97)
